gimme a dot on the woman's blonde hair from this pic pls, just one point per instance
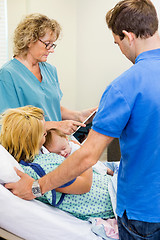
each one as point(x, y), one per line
point(21, 132)
point(30, 29)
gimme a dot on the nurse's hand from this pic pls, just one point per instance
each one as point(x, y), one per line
point(85, 113)
point(69, 126)
point(22, 188)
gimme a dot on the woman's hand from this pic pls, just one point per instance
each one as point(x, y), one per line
point(85, 113)
point(78, 116)
point(69, 126)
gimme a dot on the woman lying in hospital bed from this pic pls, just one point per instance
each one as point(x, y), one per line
point(23, 134)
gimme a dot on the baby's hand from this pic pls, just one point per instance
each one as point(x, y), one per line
point(109, 172)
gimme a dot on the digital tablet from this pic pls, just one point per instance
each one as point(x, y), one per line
point(82, 132)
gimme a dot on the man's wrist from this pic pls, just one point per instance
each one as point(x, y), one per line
point(36, 189)
point(40, 181)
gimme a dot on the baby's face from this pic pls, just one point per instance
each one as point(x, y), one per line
point(60, 146)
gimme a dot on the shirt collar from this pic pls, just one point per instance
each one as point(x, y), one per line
point(148, 54)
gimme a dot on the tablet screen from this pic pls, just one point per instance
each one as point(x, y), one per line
point(82, 132)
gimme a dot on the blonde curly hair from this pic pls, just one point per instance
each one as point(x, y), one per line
point(21, 131)
point(30, 29)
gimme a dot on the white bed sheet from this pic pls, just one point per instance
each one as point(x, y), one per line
point(34, 220)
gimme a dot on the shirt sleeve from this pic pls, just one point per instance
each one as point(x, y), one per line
point(113, 113)
point(8, 95)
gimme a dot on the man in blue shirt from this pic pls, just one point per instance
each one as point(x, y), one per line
point(129, 110)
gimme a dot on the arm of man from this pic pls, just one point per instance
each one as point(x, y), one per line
point(73, 166)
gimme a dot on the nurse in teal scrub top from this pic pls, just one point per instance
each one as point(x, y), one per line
point(28, 79)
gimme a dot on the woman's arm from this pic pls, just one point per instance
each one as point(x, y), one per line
point(81, 185)
point(71, 120)
point(67, 126)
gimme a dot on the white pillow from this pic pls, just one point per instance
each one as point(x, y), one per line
point(7, 164)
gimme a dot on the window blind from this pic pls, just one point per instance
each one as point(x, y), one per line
point(3, 32)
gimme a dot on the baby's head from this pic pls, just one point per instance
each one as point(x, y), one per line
point(23, 132)
point(57, 142)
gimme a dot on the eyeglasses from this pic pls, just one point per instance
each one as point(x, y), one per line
point(48, 45)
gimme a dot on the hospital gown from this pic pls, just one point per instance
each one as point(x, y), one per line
point(95, 203)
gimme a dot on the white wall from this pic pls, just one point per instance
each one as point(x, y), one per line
point(4, 32)
point(99, 61)
point(157, 6)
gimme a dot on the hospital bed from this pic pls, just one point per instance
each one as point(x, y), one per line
point(7, 235)
point(34, 220)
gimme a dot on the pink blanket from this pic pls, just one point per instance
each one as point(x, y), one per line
point(108, 227)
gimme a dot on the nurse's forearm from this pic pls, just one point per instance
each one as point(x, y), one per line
point(51, 124)
point(68, 114)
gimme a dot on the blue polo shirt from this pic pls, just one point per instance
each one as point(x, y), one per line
point(130, 110)
point(19, 87)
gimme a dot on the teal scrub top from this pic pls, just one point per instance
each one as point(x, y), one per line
point(19, 87)
point(130, 110)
